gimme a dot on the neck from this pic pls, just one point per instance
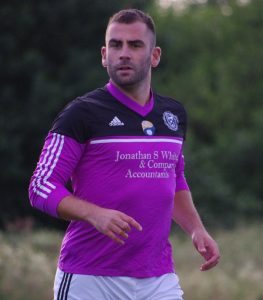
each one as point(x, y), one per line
point(139, 93)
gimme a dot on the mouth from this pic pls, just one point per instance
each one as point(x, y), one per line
point(124, 68)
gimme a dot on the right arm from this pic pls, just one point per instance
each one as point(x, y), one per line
point(48, 193)
point(112, 223)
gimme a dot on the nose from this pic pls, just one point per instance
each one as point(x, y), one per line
point(125, 52)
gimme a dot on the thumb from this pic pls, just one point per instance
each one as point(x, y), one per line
point(201, 247)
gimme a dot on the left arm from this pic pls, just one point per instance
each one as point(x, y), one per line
point(187, 217)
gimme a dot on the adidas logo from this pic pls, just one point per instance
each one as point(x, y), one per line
point(116, 122)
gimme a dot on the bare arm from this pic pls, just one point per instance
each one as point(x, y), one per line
point(187, 217)
point(112, 223)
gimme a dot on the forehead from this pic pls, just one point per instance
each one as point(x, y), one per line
point(133, 31)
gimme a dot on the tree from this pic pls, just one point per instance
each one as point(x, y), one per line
point(211, 62)
point(50, 53)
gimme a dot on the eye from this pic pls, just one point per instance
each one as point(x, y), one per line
point(136, 44)
point(115, 44)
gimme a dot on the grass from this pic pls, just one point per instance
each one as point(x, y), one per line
point(28, 263)
point(239, 275)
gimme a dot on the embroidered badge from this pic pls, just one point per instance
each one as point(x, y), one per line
point(148, 128)
point(170, 120)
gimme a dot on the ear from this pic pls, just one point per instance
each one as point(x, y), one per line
point(156, 56)
point(103, 57)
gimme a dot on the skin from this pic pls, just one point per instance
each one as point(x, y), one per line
point(187, 217)
point(129, 56)
point(113, 223)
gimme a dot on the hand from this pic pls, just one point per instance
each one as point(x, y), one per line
point(207, 247)
point(113, 223)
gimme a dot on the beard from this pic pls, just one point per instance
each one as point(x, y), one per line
point(135, 75)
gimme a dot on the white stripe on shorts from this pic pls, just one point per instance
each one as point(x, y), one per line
point(88, 287)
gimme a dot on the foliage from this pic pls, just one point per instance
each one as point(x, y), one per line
point(28, 263)
point(239, 273)
point(212, 62)
point(50, 53)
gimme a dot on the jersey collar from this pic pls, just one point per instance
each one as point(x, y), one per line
point(128, 102)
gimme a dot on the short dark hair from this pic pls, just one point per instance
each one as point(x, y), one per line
point(129, 16)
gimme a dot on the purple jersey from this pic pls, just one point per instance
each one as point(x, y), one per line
point(118, 155)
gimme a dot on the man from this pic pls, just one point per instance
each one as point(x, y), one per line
point(121, 147)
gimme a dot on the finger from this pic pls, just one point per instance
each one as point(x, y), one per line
point(119, 231)
point(126, 227)
point(200, 246)
point(123, 225)
point(113, 236)
point(133, 223)
point(209, 264)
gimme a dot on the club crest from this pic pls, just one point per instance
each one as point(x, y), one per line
point(148, 128)
point(170, 120)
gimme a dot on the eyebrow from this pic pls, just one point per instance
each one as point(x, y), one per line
point(114, 41)
point(140, 42)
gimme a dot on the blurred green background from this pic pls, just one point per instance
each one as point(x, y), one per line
point(212, 62)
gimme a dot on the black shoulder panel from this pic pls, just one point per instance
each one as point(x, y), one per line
point(164, 106)
point(99, 114)
point(75, 119)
